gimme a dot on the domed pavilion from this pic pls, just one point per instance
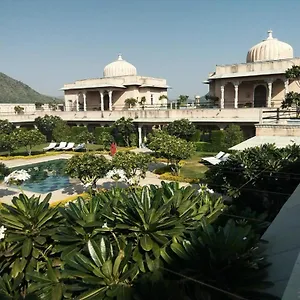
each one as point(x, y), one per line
point(119, 82)
point(260, 82)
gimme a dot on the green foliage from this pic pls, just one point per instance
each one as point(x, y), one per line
point(47, 124)
point(204, 147)
point(291, 99)
point(29, 225)
point(232, 136)
point(131, 102)
point(172, 148)
point(14, 91)
point(84, 137)
point(77, 130)
point(196, 137)
point(6, 127)
point(105, 138)
point(128, 244)
point(217, 140)
point(182, 99)
point(124, 128)
point(134, 165)
point(19, 109)
point(261, 178)
point(9, 142)
point(88, 168)
point(293, 73)
point(4, 170)
point(30, 138)
point(62, 132)
point(183, 129)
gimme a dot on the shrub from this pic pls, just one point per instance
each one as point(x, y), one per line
point(196, 136)
point(261, 178)
point(217, 140)
point(4, 170)
point(204, 147)
point(170, 177)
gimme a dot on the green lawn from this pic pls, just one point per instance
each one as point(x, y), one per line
point(193, 167)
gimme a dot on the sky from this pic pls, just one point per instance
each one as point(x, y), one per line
point(46, 43)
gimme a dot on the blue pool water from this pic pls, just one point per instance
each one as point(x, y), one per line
point(45, 177)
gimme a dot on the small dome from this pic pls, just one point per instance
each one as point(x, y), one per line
point(270, 49)
point(119, 67)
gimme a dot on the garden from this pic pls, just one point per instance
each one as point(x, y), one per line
point(168, 241)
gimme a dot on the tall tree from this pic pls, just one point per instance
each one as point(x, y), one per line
point(47, 124)
point(125, 128)
point(183, 129)
point(182, 99)
point(232, 136)
point(30, 138)
point(6, 127)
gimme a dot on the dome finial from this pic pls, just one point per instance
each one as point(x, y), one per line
point(120, 56)
point(270, 34)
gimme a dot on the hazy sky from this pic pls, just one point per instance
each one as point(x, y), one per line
point(46, 43)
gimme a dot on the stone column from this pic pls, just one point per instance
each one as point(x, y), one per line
point(140, 136)
point(222, 102)
point(236, 94)
point(77, 102)
point(110, 100)
point(101, 101)
point(84, 100)
point(270, 85)
point(286, 86)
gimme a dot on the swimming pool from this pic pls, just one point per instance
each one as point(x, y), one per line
point(45, 177)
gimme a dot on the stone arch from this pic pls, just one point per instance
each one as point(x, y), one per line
point(260, 95)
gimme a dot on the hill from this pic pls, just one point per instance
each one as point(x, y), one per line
point(14, 91)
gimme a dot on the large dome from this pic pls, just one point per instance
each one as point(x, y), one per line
point(270, 49)
point(119, 67)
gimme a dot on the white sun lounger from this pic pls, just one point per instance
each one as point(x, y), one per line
point(69, 146)
point(61, 146)
point(214, 160)
point(50, 147)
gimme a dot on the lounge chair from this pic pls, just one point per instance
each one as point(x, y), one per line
point(225, 157)
point(61, 146)
point(69, 146)
point(214, 160)
point(50, 147)
point(79, 147)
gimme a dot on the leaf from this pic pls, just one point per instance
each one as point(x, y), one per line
point(146, 242)
point(107, 269)
point(27, 247)
point(95, 253)
point(179, 250)
point(118, 260)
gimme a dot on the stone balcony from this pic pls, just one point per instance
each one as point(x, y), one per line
point(213, 115)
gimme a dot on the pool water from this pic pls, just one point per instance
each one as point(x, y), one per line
point(45, 177)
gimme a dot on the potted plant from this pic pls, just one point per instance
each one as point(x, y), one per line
point(131, 102)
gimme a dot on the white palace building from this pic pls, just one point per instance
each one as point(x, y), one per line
point(260, 82)
point(119, 82)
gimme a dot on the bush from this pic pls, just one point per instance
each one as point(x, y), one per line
point(4, 170)
point(99, 131)
point(169, 176)
point(196, 137)
point(261, 178)
point(204, 147)
point(217, 140)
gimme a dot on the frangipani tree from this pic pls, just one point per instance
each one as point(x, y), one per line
point(88, 168)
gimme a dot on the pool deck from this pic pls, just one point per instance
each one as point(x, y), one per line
point(7, 192)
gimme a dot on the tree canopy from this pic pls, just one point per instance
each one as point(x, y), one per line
point(47, 124)
point(183, 129)
point(124, 128)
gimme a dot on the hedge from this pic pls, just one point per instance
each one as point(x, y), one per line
point(217, 140)
point(171, 177)
point(204, 147)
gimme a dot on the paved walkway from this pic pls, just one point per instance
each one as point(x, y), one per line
point(7, 192)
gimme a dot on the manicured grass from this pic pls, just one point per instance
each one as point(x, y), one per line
point(193, 168)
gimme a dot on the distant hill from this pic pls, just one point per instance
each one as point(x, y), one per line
point(14, 91)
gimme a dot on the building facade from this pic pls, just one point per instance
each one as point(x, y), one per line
point(119, 82)
point(260, 82)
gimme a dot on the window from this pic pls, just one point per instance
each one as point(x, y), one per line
point(151, 99)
